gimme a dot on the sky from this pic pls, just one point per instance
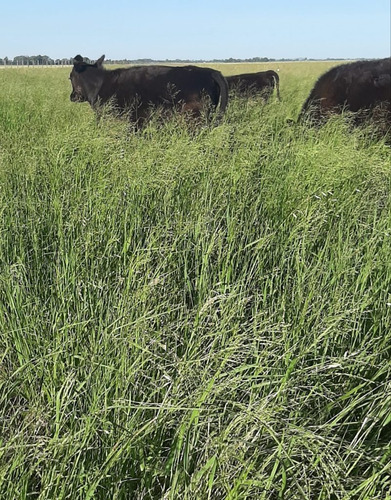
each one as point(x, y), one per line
point(201, 29)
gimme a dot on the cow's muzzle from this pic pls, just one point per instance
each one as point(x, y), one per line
point(76, 97)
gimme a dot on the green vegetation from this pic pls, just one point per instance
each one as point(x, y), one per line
point(192, 314)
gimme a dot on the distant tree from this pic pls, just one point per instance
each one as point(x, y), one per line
point(47, 60)
point(20, 60)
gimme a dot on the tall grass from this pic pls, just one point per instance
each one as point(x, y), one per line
point(191, 314)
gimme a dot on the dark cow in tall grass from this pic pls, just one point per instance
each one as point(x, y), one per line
point(362, 88)
point(262, 82)
point(135, 90)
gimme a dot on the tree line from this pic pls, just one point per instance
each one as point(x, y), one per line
point(48, 61)
point(35, 61)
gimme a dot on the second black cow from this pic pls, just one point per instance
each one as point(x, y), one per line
point(262, 82)
point(135, 90)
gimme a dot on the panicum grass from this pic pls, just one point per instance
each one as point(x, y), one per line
point(191, 313)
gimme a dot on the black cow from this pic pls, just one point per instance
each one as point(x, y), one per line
point(253, 83)
point(134, 90)
point(362, 87)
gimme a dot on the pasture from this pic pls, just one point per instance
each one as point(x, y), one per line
point(192, 314)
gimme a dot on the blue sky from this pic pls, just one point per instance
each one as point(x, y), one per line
point(201, 29)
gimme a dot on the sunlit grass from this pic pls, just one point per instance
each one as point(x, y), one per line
point(191, 314)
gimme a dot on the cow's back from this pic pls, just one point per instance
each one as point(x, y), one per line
point(159, 85)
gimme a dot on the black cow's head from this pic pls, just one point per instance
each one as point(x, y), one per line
point(85, 79)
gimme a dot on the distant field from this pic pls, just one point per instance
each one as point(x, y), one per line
point(285, 67)
point(192, 314)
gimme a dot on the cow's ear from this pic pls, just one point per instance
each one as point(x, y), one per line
point(99, 62)
point(78, 64)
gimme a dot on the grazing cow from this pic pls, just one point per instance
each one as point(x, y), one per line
point(249, 83)
point(362, 87)
point(133, 90)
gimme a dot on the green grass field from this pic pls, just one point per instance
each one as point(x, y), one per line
point(192, 315)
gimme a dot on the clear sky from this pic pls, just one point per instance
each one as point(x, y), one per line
point(200, 29)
